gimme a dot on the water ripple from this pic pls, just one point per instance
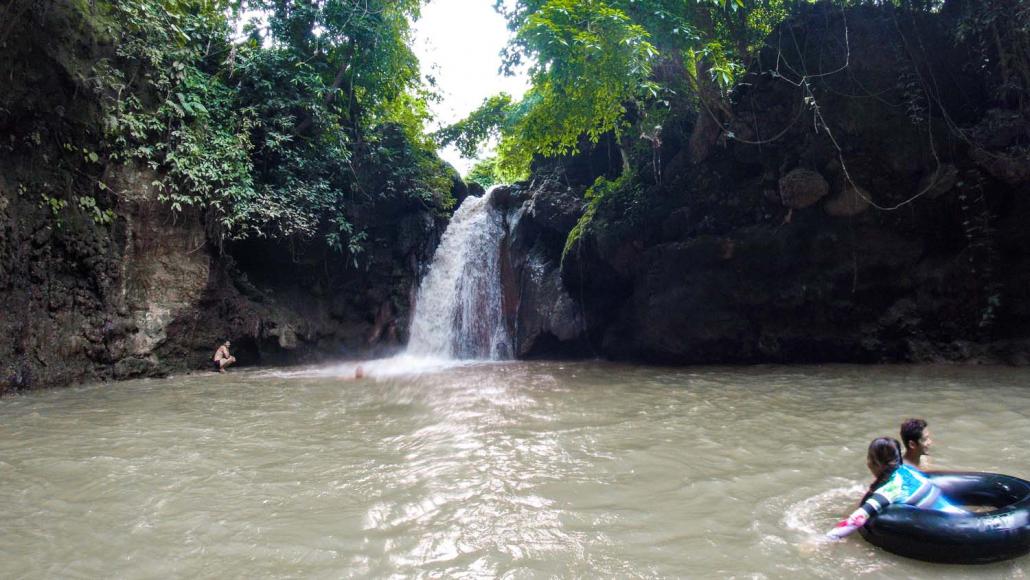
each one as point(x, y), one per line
point(430, 469)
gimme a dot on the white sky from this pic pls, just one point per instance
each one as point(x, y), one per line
point(459, 42)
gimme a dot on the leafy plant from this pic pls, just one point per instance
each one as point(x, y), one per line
point(277, 134)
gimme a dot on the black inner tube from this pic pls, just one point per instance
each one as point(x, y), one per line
point(975, 538)
point(982, 489)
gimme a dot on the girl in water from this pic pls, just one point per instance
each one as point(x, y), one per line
point(895, 483)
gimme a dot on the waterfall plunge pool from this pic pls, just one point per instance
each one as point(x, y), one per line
point(509, 470)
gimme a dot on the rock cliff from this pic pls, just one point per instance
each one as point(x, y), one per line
point(153, 293)
point(864, 201)
point(544, 320)
point(101, 278)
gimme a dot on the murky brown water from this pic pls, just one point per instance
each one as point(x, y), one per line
point(517, 470)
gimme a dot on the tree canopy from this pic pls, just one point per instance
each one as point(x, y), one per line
point(603, 66)
point(279, 128)
point(290, 125)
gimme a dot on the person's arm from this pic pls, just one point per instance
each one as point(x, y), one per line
point(884, 496)
point(857, 519)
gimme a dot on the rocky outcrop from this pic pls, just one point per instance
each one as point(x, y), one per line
point(100, 279)
point(154, 293)
point(902, 238)
point(544, 320)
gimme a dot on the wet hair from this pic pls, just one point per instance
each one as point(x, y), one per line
point(884, 452)
point(912, 430)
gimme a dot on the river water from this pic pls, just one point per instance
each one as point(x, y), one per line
point(514, 470)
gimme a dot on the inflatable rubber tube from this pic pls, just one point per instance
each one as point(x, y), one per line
point(975, 538)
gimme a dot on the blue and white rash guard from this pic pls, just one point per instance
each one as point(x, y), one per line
point(906, 485)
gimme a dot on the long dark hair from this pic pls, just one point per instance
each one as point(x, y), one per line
point(884, 452)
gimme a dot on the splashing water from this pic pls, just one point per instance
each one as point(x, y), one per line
point(459, 309)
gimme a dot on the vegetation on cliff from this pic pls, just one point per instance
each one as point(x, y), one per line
point(634, 74)
point(170, 177)
point(287, 129)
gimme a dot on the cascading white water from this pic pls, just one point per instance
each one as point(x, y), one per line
point(459, 313)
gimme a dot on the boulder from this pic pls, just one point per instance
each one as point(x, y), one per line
point(128, 368)
point(802, 187)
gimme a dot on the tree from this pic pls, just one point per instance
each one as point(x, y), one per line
point(277, 133)
point(600, 66)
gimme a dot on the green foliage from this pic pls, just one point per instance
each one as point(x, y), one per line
point(54, 204)
point(394, 169)
point(593, 69)
point(614, 206)
point(280, 134)
point(591, 58)
point(485, 172)
point(479, 126)
point(1000, 32)
point(99, 215)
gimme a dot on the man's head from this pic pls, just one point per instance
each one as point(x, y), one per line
point(226, 344)
point(916, 437)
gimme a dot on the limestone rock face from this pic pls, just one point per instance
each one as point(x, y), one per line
point(165, 270)
point(802, 187)
point(287, 337)
point(154, 292)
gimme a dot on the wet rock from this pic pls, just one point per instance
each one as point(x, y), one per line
point(133, 367)
point(459, 189)
point(543, 317)
point(413, 230)
point(547, 314)
point(287, 337)
point(506, 197)
point(475, 190)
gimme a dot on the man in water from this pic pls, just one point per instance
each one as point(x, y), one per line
point(222, 357)
point(915, 436)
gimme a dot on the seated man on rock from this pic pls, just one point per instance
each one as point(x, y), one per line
point(222, 357)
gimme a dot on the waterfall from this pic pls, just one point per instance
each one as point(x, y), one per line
point(458, 312)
